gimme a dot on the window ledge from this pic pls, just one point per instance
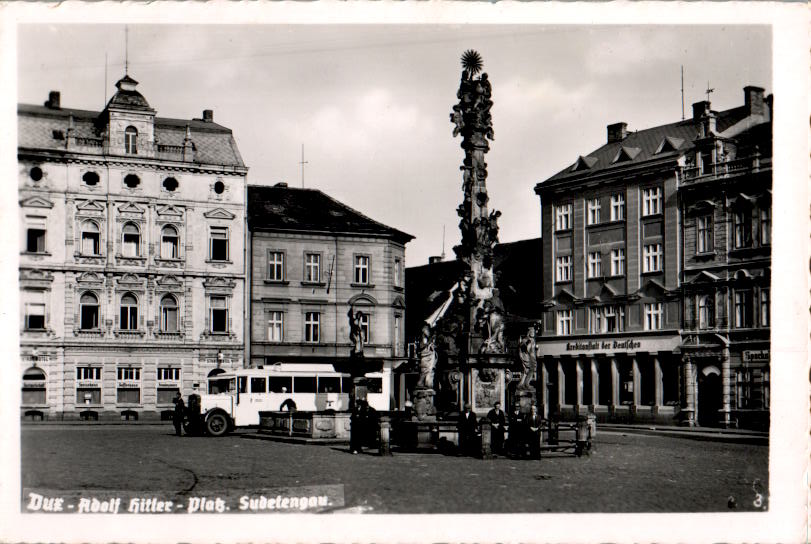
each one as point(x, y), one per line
point(653, 216)
point(35, 253)
point(89, 255)
point(219, 333)
point(596, 278)
point(703, 254)
point(277, 282)
point(170, 260)
point(217, 261)
point(651, 273)
point(312, 283)
point(562, 282)
point(559, 231)
point(362, 285)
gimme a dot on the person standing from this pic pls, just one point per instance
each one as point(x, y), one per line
point(498, 421)
point(468, 428)
point(180, 409)
point(533, 426)
point(356, 430)
point(516, 440)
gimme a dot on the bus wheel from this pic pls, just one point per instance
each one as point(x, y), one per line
point(217, 424)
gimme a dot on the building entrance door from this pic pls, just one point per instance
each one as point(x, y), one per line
point(710, 397)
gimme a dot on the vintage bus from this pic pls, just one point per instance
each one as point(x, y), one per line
point(235, 398)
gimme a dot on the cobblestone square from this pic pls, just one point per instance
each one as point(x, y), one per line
point(627, 472)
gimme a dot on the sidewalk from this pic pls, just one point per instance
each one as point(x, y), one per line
point(739, 436)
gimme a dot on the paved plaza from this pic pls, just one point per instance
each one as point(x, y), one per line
point(626, 473)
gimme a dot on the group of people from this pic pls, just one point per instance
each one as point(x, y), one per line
point(363, 427)
point(186, 417)
point(522, 432)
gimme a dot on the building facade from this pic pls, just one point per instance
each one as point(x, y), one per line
point(312, 261)
point(132, 257)
point(619, 230)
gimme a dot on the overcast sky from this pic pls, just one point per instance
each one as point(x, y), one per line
point(371, 103)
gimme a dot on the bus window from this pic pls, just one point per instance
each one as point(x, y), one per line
point(243, 384)
point(223, 385)
point(258, 385)
point(375, 385)
point(329, 384)
point(346, 384)
point(304, 384)
point(279, 382)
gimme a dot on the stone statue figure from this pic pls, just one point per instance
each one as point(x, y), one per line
point(355, 332)
point(490, 321)
point(427, 354)
point(528, 356)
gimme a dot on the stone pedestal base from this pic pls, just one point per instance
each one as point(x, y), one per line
point(526, 398)
point(423, 399)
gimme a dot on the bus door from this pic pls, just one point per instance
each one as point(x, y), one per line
point(251, 395)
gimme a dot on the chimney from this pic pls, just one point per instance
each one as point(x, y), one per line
point(434, 259)
point(700, 109)
point(53, 100)
point(281, 184)
point(617, 132)
point(753, 100)
point(208, 116)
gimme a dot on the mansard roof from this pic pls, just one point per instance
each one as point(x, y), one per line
point(280, 207)
point(44, 128)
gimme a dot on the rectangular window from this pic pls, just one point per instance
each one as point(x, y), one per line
point(743, 388)
point(34, 310)
point(704, 234)
point(218, 244)
point(258, 385)
point(90, 241)
point(742, 228)
point(605, 319)
point(743, 309)
point(329, 384)
point(166, 374)
point(618, 207)
point(652, 258)
point(312, 325)
point(128, 317)
point(765, 226)
point(166, 395)
point(129, 374)
point(706, 312)
point(362, 269)
point(88, 372)
point(596, 321)
point(563, 217)
point(564, 268)
point(312, 267)
point(275, 266)
point(304, 384)
point(130, 241)
point(36, 241)
point(398, 349)
point(169, 244)
point(280, 384)
point(651, 201)
point(764, 308)
point(219, 314)
point(398, 272)
point(275, 326)
point(33, 395)
point(594, 211)
point(595, 268)
point(88, 395)
point(618, 261)
point(364, 327)
point(653, 316)
point(564, 322)
point(128, 395)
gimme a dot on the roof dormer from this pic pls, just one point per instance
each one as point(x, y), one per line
point(130, 121)
point(626, 154)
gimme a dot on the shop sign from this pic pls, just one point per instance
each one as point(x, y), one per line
point(167, 384)
point(34, 383)
point(87, 383)
point(128, 385)
point(750, 356)
point(607, 346)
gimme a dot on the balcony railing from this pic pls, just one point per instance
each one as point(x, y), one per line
point(159, 151)
point(720, 169)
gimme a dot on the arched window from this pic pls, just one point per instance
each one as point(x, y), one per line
point(91, 238)
point(129, 312)
point(169, 243)
point(706, 312)
point(131, 141)
point(34, 387)
point(88, 312)
point(169, 321)
point(170, 184)
point(90, 178)
point(131, 240)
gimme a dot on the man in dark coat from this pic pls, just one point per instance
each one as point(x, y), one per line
point(468, 427)
point(515, 440)
point(356, 428)
point(497, 421)
point(177, 417)
point(533, 425)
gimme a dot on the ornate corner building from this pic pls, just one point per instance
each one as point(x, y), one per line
point(132, 251)
point(657, 247)
point(312, 261)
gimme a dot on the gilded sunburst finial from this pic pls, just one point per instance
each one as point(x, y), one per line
point(472, 62)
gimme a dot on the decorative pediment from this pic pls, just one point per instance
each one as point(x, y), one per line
point(702, 207)
point(129, 279)
point(669, 143)
point(398, 302)
point(652, 288)
point(584, 163)
point(742, 274)
point(742, 200)
point(217, 282)
point(169, 211)
point(704, 277)
point(219, 213)
point(91, 206)
point(626, 154)
point(36, 202)
point(131, 207)
point(606, 293)
point(362, 299)
point(35, 274)
point(89, 277)
point(168, 281)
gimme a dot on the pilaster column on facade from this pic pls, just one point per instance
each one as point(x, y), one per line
point(578, 373)
point(595, 382)
point(658, 392)
point(636, 381)
point(726, 385)
point(542, 377)
point(561, 384)
point(615, 383)
point(689, 395)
